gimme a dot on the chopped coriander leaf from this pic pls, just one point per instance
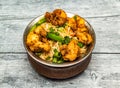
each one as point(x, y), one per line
point(60, 61)
point(51, 29)
point(55, 50)
point(62, 25)
point(48, 58)
point(66, 40)
point(57, 57)
point(38, 54)
point(80, 44)
point(54, 60)
point(56, 53)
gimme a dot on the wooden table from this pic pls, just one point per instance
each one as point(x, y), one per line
point(104, 68)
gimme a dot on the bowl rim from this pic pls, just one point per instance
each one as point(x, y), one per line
point(53, 64)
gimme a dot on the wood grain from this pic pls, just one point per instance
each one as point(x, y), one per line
point(22, 9)
point(102, 72)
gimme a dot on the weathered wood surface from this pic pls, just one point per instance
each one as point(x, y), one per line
point(102, 72)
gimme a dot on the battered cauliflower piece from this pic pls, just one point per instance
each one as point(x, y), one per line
point(58, 17)
point(77, 23)
point(37, 41)
point(84, 29)
point(84, 37)
point(32, 38)
point(70, 51)
point(40, 31)
point(72, 23)
point(80, 22)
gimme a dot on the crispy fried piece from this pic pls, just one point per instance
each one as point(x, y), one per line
point(77, 23)
point(49, 17)
point(37, 41)
point(40, 31)
point(58, 17)
point(80, 22)
point(72, 23)
point(32, 38)
point(63, 49)
point(84, 37)
point(71, 33)
point(70, 51)
point(84, 29)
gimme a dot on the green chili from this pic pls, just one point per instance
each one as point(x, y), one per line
point(33, 27)
point(42, 20)
point(54, 37)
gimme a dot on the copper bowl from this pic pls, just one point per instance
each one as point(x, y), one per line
point(58, 71)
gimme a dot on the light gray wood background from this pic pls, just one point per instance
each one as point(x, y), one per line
point(104, 68)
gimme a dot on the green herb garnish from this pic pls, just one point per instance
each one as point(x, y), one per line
point(66, 40)
point(48, 58)
point(80, 44)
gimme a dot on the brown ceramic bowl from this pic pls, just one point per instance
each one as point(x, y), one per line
point(58, 71)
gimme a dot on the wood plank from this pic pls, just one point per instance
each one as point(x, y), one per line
point(102, 72)
point(22, 9)
point(106, 29)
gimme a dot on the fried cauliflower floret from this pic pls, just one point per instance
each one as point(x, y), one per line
point(84, 29)
point(32, 38)
point(77, 23)
point(72, 23)
point(37, 41)
point(49, 17)
point(40, 31)
point(63, 49)
point(70, 51)
point(84, 37)
point(80, 21)
point(58, 17)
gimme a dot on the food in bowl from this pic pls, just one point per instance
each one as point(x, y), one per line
point(58, 38)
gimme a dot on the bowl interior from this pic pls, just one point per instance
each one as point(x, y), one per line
point(66, 64)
